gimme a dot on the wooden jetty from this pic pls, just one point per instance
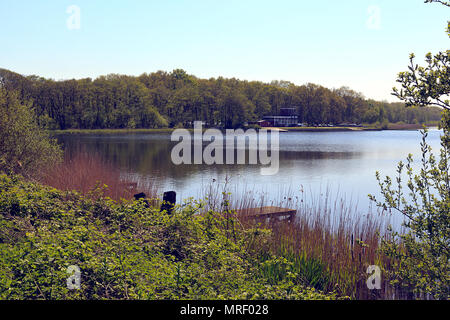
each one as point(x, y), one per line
point(270, 213)
point(274, 129)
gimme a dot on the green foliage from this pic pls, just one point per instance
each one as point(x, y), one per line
point(176, 99)
point(128, 251)
point(296, 268)
point(422, 254)
point(426, 86)
point(24, 147)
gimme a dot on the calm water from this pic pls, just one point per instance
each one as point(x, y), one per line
point(344, 162)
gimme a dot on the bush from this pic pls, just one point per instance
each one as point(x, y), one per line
point(25, 148)
point(128, 251)
point(422, 254)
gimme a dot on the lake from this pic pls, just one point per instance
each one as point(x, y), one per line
point(313, 162)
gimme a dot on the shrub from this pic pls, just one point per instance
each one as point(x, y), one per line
point(25, 148)
point(126, 250)
point(422, 254)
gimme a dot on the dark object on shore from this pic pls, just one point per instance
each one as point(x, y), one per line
point(169, 200)
point(142, 195)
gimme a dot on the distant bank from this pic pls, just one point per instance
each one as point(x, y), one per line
point(391, 126)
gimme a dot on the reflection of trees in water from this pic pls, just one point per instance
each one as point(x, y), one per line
point(151, 157)
point(317, 155)
point(145, 157)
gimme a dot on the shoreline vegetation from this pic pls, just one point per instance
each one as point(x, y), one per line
point(203, 250)
point(390, 126)
point(128, 249)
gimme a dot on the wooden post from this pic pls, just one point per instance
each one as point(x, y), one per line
point(169, 200)
point(142, 195)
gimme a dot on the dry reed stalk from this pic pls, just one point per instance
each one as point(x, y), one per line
point(84, 172)
point(332, 232)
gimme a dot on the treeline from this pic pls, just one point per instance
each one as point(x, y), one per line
point(176, 99)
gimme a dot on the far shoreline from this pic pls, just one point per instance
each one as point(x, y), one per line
point(289, 129)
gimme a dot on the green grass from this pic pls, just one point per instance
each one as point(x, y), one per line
point(310, 271)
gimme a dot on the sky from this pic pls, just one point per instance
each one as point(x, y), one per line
point(362, 44)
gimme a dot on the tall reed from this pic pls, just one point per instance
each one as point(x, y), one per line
point(85, 172)
point(330, 244)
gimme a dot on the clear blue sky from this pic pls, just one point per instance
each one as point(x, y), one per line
point(328, 42)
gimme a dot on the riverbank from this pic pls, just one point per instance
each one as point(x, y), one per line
point(110, 131)
point(390, 126)
point(328, 129)
point(127, 250)
point(170, 130)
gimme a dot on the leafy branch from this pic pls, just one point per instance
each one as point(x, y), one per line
point(426, 86)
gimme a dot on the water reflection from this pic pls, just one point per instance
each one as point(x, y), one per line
point(344, 161)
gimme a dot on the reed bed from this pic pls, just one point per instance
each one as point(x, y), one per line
point(331, 243)
point(89, 174)
point(339, 245)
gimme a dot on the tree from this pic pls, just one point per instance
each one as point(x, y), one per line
point(25, 148)
point(261, 102)
point(422, 254)
point(177, 98)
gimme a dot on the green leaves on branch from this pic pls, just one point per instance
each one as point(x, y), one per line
point(25, 148)
point(428, 85)
point(422, 254)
